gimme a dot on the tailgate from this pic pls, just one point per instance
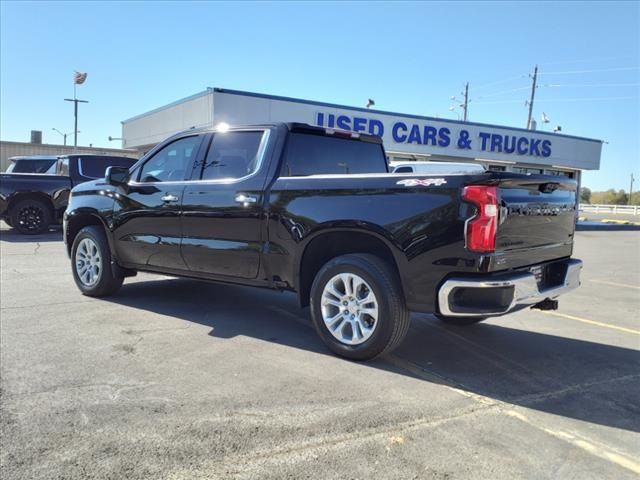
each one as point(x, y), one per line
point(536, 213)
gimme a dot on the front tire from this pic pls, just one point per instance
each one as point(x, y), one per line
point(358, 307)
point(30, 217)
point(91, 263)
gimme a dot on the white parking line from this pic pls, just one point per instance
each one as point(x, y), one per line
point(592, 322)
point(624, 285)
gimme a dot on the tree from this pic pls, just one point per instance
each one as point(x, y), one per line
point(610, 197)
point(585, 195)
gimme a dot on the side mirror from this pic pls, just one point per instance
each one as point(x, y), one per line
point(116, 175)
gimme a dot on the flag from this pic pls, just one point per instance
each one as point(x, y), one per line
point(79, 78)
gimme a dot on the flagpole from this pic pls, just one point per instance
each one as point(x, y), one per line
point(75, 110)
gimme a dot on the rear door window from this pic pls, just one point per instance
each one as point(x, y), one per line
point(233, 155)
point(308, 154)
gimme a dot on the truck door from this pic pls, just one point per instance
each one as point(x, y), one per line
point(146, 216)
point(222, 210)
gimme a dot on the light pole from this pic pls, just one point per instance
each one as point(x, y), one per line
point(64, 135)
point(75, 117)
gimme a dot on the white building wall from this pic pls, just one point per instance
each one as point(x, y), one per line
point(148, 129)
point(565, 151)
point(214, 106)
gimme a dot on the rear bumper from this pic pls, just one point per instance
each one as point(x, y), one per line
point(477, 296)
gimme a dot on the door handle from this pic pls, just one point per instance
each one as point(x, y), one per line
point(246, 199)
point(169, 198)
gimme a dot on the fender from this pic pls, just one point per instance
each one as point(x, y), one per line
point(348, 227)
point(75, 215)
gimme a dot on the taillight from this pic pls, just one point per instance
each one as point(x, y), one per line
point(481, 229)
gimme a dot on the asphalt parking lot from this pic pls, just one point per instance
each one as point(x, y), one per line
point(177, 379)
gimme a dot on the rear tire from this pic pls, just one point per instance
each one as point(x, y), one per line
point(460, 321)
point(30, 217)
point(358, 307)
point(91, 263)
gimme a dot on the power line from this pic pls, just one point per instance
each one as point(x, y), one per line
point(594, 85)
point(600, 59)
point(590, 71)
point(562, 100)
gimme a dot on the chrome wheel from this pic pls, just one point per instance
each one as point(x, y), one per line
point(88, 262)
point(349, 308)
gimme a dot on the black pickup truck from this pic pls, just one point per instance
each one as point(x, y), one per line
point(31, 202)
point(313, 210)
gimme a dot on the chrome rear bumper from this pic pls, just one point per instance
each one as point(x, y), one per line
point(503, 295)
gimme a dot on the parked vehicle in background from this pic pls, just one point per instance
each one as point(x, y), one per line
point(439, 168)
point(31, 202)
point(33, 164)
point(314, 210)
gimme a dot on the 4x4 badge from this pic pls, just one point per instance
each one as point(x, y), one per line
point(421, 182)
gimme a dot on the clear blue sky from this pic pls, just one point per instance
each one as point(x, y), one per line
point(409, 57)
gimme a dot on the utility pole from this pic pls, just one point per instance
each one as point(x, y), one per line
point(463, 104)
point(75, 116)
point(533, 94)
point(631, 189)
point(466, 100)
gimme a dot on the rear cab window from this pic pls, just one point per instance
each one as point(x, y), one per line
point(312, 154)
point(95, 167)
point(31, 165)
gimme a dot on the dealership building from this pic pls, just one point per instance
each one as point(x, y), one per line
point(406, 137)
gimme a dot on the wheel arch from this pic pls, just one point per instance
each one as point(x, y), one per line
point(78, 219)
point(328, 244)
point(39, 196)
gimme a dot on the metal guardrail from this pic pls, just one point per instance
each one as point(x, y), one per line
point(621, 209)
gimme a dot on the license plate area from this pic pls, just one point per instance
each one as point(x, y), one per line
point(538, 272)
point(549, 275)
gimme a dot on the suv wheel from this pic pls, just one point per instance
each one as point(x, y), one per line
point(358, 308)
point(91, 263)
point(30, 217)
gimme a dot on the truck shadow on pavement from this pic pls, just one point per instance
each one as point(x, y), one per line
point(573, 378)
point(11, 235)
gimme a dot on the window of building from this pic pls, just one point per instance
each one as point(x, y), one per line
point(171, 162)
point(497, 168)
point(318, 154)
point(533, 171)
point(232, 155)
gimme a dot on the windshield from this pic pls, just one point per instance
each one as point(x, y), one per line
point(31, 166)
